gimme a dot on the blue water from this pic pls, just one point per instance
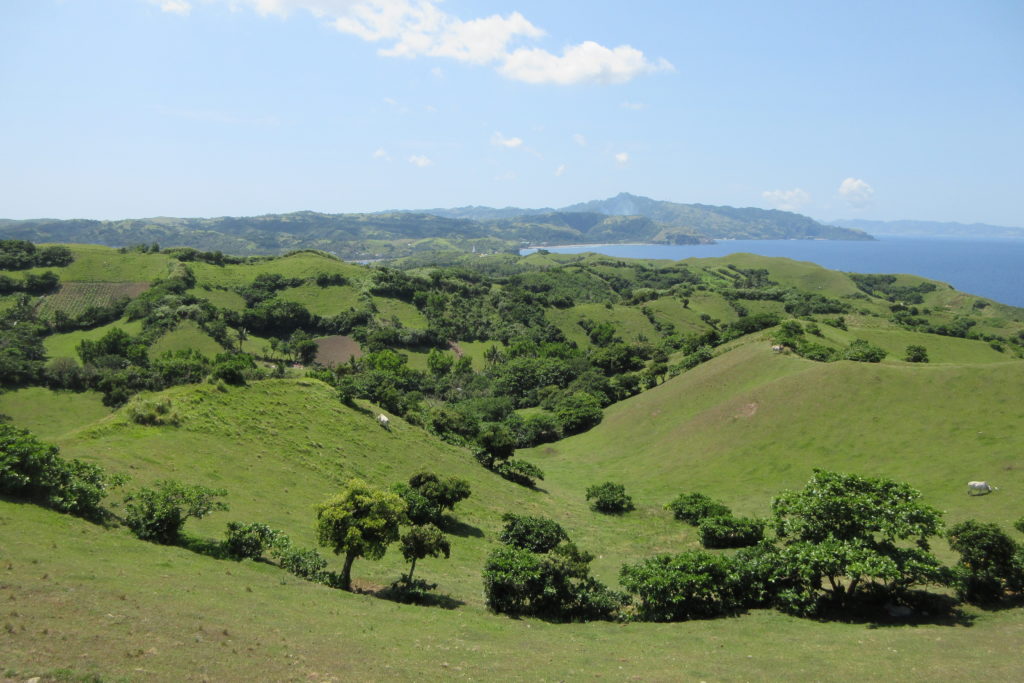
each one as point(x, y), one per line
point(992, 268)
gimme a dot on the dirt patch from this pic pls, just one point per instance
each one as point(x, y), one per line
point(749, 410)
point(456, 349)
point(337, 349)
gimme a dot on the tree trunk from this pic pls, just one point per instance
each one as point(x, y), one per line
point(346, 572)
point(412, 568)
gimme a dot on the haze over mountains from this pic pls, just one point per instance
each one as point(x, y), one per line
point(623, 218)
point(931, 228)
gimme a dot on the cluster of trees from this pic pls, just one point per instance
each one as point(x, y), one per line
point(842, 543)
point(22, 254)
point(538, 571)
point(792, 334)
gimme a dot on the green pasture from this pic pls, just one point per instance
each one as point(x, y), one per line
point(63, 345)
point(49, 414)
point(323, 301)
point(302, 265)
point(630, 323)
point(406, 313)
point(187, 335)
point(221, 298)
point(94, 263)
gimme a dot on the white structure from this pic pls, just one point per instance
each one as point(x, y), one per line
point(979, 488)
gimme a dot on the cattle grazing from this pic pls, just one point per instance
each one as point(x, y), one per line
point(384, 422)
point(980, 488)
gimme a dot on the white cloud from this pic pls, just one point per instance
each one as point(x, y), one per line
point(580, 140)
point(857, 192)
point(560, 171)
point(622, 158)
point(382, 154)
point(415, 28)
point(182, 7)
point(787, 200)
point(421, 161)
point(635, 106)
point(587, 62)
point(499, 140)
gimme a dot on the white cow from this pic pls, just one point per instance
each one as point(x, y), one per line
point(979, 488)
point(383, 421)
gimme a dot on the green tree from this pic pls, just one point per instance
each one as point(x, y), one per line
point(536, 534)
point(360, 521)
point(990, 561)
point(439, 363)
point(32, 470)
point(158, 514)
point(578, 412)
point(690, 585)
point(609, 498)
point(423, 541)
point(694, 507)
point(853, 531)
point(916, 354)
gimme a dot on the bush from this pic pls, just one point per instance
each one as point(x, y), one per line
point(248, 540)
point(609, 498)
point(152, 412)
point(730, 532)
point(693, 507)
point(32, 470)
point(536, 534)
point(306, 563)
point(989, 561)
point(916, 354)
point(158, 514)
point(519, 472)
point(691, 585)
point(578, 412)
point(864, 352)
point(767, 577)
point(556, 585)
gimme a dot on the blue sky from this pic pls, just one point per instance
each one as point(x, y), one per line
point(883, 110)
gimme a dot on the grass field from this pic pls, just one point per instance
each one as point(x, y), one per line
point(323, 301)
point(302, 265)
point(221, 298)
point(738, 428)
point(49, 414)
point(94, 263)
point(63, 345)
point(187, 335)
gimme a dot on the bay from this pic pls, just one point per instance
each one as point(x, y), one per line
point(991, 268)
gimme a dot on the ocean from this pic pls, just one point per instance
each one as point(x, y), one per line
point(991, 268)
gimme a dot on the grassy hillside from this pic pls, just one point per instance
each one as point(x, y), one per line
point(740, 427)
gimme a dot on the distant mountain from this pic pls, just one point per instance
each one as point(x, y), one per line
point(720, 222)
point(930, 228)
point(391, 234)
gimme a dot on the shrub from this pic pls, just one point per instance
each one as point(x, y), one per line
point(691, 585)
point(989, 561)
point(730, 532)
point(916, 354)
point(578, 412)
point(1019, 525)
point(536, 534)
point(34, 471)
point(519, 472)
point(158, 514)
point(556, 585)
point(609, 498)
point(864, 352)
point(306, 563)
point(152, 412)
point(693, 507)
point(248, 540)
point(767, 577)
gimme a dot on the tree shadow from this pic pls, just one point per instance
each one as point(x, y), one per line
point(204, 546)
point(921, 608)
point(455, 527)
point(1008, 602)
point(417, 593)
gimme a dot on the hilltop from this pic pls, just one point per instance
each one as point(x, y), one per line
point(399, 233)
